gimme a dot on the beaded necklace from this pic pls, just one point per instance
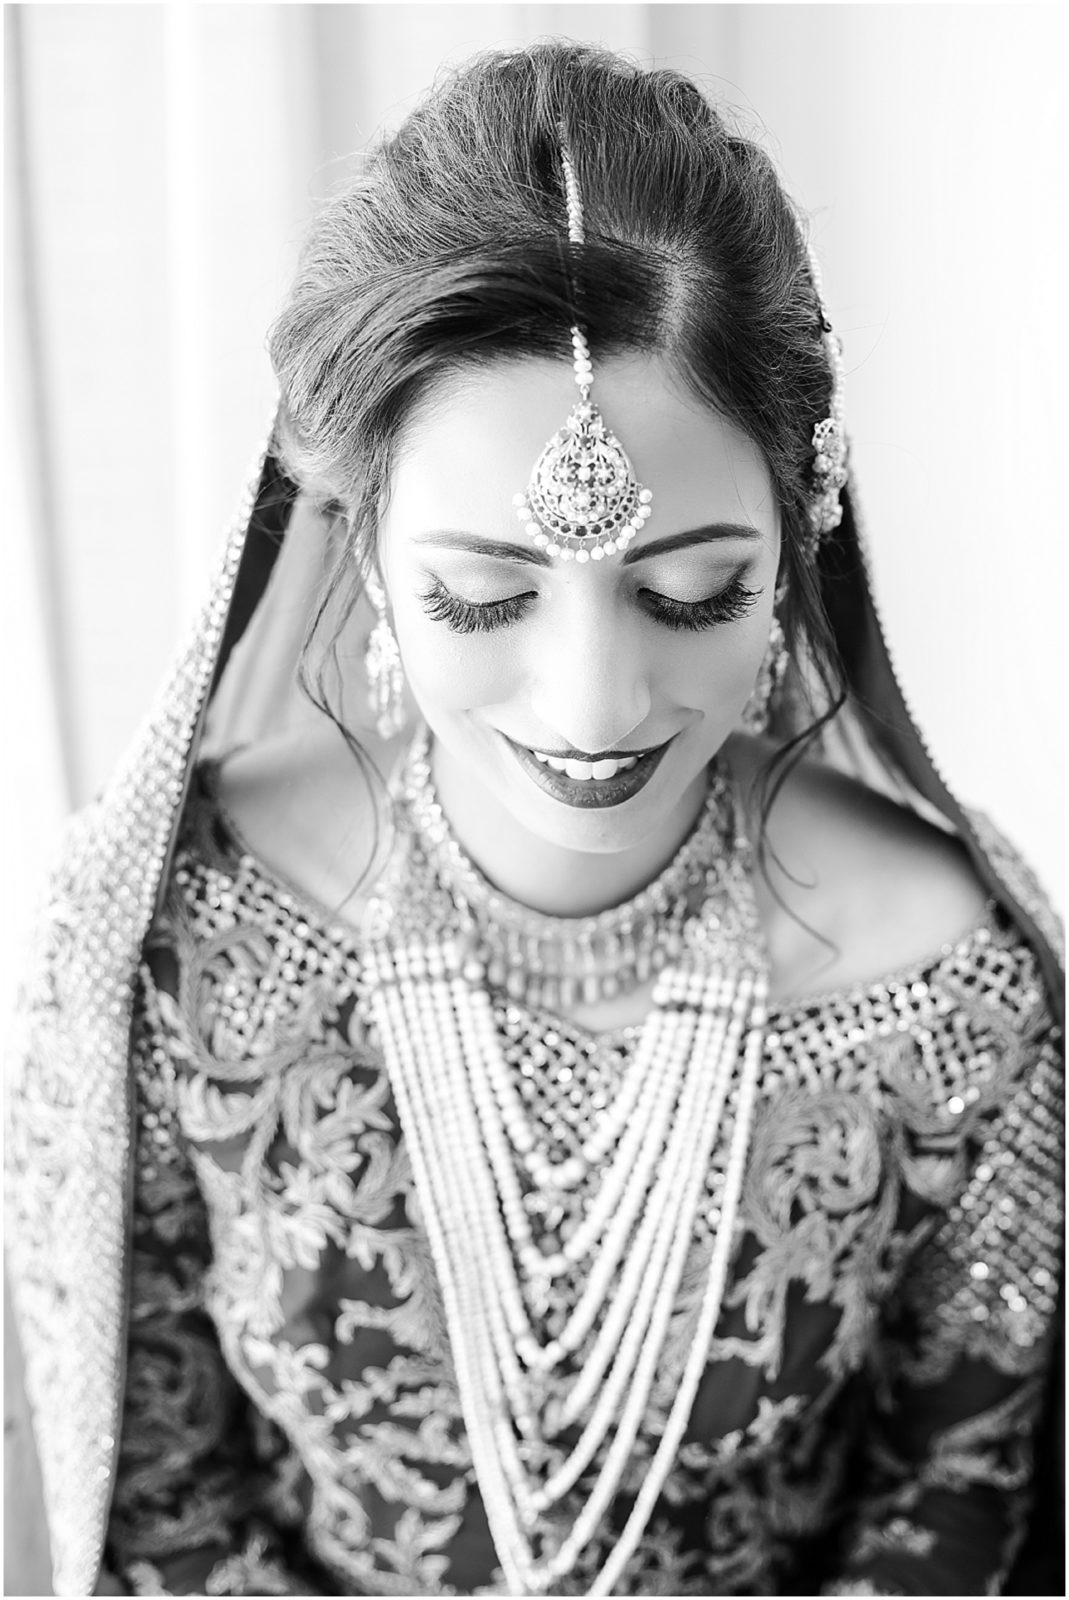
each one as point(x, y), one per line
point(552, 962)
point(560, 1264)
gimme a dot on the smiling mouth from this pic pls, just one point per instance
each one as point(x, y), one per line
point(605, 780)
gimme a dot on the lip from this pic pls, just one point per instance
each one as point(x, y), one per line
point(591, 794)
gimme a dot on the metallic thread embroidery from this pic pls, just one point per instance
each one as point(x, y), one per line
point(261, 1060)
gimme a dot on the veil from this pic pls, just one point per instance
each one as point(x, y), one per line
point(70, 1104)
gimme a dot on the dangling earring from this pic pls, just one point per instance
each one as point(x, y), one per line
point(382, 662)
point(755, 714)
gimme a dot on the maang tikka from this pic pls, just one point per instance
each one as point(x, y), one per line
point(583, 501)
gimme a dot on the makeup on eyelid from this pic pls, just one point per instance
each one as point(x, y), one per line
point(465, 615)
point(696, 574)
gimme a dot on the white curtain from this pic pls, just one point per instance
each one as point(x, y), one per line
point(163, 160)
point(167, 157)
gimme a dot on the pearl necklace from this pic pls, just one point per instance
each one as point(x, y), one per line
point(544, 1408)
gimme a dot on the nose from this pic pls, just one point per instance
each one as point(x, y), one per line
point(590, 685)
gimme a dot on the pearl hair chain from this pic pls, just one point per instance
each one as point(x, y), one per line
point(557, 1343)
point(583, 501)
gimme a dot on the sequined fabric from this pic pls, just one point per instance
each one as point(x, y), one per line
point(68, 1103)
point(72, 1249)
point(864, 1423)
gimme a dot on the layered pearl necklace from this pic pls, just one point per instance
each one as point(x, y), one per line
point(557, 1336)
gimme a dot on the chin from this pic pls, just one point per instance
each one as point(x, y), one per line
point(591, 832)
point(604, 829)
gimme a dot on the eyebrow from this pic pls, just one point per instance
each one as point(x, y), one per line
point(500, 550)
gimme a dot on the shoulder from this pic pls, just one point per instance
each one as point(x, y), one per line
point(856, 885)
point(309, 807)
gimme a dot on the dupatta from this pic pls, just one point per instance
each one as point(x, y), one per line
point(70, 1097)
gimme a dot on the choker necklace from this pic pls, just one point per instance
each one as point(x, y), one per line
point(560, 1267)
point(549, 962)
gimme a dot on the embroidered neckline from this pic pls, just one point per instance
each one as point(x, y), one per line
point(987, 924)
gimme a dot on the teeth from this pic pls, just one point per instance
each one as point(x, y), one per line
point(585, 771)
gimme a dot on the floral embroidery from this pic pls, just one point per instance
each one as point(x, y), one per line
point(250, 1571)
point(880, 1157)
point(897, 1534)
point(818, 1200)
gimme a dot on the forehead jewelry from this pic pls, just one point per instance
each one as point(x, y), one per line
point(829, 436)
point(583, 501)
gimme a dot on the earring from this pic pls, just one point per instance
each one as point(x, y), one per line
point(382, 663)
point(755, 714)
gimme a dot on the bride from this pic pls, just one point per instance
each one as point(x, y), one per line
point(592, 1126)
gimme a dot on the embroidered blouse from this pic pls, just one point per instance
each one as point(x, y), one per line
point(865, 1420)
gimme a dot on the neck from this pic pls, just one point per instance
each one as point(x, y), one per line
point(545, 876)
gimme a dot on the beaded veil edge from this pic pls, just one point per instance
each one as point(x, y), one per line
point(68, 1107)
point(69, 1100)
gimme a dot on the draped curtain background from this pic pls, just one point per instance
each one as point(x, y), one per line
point(162, 161)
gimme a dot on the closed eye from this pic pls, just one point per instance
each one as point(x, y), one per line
point(469, 616)
point(728, 605)
point(484, 616)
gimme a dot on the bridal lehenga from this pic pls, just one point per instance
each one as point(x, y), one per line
point(345, 1263)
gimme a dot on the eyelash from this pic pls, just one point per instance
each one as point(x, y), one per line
point(730, 605)
point(693, 616)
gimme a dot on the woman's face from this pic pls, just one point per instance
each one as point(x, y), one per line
point(514, 657)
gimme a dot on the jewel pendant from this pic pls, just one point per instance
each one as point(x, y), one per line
point(584, 500)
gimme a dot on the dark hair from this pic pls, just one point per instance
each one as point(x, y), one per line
point(451, 249)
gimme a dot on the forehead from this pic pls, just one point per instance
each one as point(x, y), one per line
point(472, 444)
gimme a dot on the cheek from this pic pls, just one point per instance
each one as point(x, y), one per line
point(714, 672)
point(455, 672)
